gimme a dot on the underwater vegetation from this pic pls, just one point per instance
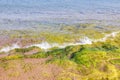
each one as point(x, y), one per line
point(59, 40)
point(96, 61)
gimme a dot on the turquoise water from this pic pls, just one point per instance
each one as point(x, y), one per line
point(23, 12)
point(59, 5)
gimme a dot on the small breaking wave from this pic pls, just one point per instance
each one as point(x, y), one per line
point(9, 48)
point(46, 45)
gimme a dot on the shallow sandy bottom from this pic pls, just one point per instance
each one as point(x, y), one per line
point(29, 69)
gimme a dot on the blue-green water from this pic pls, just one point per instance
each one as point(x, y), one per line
point(26, 13)
point(37, 6)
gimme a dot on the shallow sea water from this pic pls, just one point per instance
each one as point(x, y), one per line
point(20, 14)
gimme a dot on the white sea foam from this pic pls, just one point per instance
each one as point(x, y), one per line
point(86, 40)
point(9, 48)
point(46, 45)
point(113, 34)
